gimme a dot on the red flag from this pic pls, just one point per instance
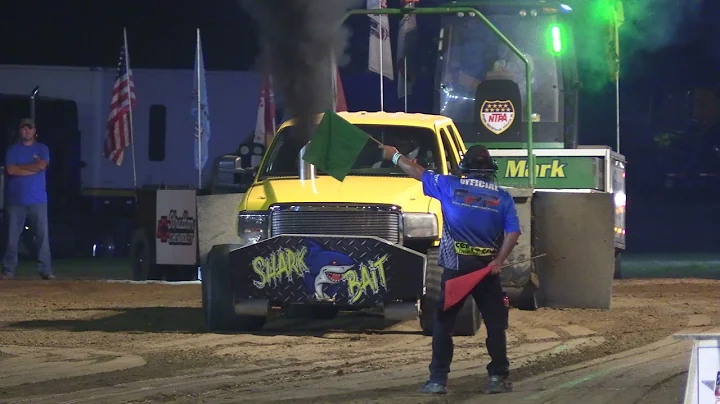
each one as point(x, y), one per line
point(457, 289)
point(340, 102)
point(119, 131)
point(265, 124)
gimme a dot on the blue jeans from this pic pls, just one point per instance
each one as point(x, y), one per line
point(36, 214)
point(488, 296)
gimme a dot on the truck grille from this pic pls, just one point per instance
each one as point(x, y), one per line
point(334, 220)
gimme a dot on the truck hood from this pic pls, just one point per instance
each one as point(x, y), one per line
point(402, 191)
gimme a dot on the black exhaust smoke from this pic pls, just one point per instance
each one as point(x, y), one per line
point(298, 40)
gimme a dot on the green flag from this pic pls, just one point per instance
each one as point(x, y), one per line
point(616, 18)
point(335, 146)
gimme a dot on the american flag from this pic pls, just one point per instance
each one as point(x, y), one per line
point(119, 131)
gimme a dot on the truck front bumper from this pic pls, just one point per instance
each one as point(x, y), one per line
point(339, 270)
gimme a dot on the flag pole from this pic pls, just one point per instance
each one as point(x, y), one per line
point(617, 110)
point(617, 84)
point(405, 80)
point(333, 77)
point(266, 84)
point(199, 115)
point(130, 106)
point(382, 86)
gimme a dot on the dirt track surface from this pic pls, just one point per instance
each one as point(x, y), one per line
point(85, 342)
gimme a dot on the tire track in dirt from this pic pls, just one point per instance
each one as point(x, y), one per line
point(292, 357)
point(22, 365)
point(638, 375)
point(298, 381)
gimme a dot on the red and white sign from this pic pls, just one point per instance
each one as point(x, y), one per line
point(176, 231)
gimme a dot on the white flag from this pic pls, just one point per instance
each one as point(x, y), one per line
point(380, 59)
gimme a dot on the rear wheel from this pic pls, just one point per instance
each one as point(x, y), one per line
point(468, 320)
point(217, 295)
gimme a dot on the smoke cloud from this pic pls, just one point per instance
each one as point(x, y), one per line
point(298, 39)
point(649, 26)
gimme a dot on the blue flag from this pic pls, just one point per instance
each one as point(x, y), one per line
point(202, 124)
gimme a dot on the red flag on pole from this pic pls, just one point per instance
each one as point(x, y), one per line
point(457, 289)
point(265, 124)
point(340, 102)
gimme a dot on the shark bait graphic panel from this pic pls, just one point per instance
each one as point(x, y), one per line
point(343, 270)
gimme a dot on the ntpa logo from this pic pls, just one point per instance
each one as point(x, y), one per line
point(176, 230)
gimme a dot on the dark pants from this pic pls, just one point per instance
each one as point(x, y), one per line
point(488, 295)
point(36, 215)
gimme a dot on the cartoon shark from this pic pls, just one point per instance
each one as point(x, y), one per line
point(326, 270)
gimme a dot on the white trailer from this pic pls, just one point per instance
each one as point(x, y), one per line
point(233, 101)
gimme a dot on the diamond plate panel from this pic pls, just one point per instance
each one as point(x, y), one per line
point(361, 271)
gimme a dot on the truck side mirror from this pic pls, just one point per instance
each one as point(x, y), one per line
point(230, 176)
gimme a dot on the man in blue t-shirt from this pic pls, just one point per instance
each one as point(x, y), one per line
point(480, 229)
point(26, 198)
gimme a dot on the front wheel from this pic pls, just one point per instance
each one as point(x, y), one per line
point(217, 295)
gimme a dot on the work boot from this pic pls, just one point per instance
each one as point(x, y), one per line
point(47, 277)
point(6, 276)
point(433, 388)
point(498, 384)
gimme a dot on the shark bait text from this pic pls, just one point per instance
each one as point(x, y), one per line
point(322, 273)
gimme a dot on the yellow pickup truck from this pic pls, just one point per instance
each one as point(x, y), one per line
point(313, 245)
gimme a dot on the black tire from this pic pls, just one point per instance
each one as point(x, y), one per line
point(468, 320)
point(309, 311)
point(618, 265)
point(217, 295)
point(142, 267)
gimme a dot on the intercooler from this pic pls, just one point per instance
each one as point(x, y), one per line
point(343, 220)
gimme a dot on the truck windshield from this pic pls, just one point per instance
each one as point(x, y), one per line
point(416, 143)
point(471, 51)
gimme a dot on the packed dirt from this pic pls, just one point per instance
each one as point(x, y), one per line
point(93, 341)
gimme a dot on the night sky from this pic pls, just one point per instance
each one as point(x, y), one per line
point(89, 33)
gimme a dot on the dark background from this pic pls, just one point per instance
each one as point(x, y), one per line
point(669, 47)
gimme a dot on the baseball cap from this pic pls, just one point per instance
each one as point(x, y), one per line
point(478, 158)
point(27, 122)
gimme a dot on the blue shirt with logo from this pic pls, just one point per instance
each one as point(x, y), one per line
point(476, 216)
point(26, 189)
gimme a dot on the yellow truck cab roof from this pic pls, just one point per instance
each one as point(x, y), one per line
point(385, 118)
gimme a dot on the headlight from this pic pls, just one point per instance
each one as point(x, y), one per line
point(420, 225)
point(620, 199)
point(252, 226)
